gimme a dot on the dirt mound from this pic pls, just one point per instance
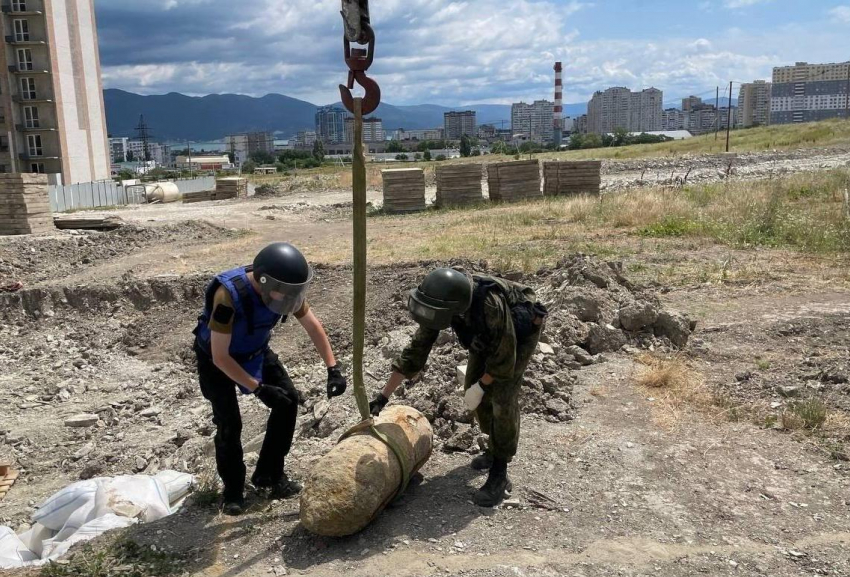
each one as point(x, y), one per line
point(594, 310)
point(35, 259)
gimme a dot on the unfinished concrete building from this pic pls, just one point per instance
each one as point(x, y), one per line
point(52, 117)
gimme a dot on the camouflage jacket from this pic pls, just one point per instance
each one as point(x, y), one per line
point(500, 348)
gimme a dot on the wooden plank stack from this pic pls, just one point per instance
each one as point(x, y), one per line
point(7, 479)
point(75, 222)
point(404, 190)
point(230, 187)
point(189, 197)
point(24, 204)
point(570, 178)
point(513, 181)
point(458, 184)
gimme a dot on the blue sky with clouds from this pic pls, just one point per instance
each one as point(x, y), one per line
point(462, 52)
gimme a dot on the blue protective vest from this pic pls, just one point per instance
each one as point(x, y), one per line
point(252, 322)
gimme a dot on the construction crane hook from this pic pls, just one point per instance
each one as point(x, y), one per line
point(358, 30)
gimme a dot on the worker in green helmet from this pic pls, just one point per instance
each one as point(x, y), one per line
point(499, 323)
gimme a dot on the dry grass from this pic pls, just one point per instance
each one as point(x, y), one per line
point(802, 214)
point(676, 386)
point(599, 392)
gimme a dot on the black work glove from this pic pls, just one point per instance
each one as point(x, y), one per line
point(378, 403)
point(336, 382)
point(273, 397)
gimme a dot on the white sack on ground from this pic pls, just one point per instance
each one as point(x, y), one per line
point(84, 510)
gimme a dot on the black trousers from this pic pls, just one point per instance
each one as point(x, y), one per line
point(222, 393)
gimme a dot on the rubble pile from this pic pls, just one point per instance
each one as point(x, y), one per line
point(67, 251)
point(594, 310)
point(107, 385)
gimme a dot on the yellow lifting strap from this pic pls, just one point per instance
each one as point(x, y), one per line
point(359, 199)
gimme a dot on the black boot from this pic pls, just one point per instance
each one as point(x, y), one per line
point(282, 488)
point(493, 491)
point(482, 462)
point(233, 503)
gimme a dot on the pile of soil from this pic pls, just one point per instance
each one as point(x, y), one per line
point(33, 259)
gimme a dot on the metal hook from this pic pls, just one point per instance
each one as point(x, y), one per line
point(373, 92)
point(359, 60)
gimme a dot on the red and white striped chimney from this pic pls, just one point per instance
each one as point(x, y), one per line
point(559, 104)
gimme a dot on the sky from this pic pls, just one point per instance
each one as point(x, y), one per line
point(464, 52)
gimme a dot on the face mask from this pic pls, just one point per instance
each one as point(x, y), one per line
point(283, 298)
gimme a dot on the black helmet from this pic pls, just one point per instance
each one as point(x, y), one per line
point(443, 294)
point(284, 277)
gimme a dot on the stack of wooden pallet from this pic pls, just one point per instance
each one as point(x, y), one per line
point(7, 479)
point(568, 178)
point(24, 204)
point(230, 187)
point(511, 181)
point(458, 184)
point(189, 197)
point(75, 222)
point(404, 190)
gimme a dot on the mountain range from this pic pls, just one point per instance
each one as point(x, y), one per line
point(177, 117)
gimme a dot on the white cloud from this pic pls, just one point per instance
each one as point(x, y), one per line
point(841, 13)
point(736, 4)
point(438, 51)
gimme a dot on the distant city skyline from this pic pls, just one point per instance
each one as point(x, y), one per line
point(456, 53)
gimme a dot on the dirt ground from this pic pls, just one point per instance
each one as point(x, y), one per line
point(608, 480)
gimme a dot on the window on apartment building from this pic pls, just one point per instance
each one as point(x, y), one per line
point(34, 142)
point(19, 5)
point(22, 31)
point(28, 88)
point(4, 144)
point(37, 168)
point(24, 59)
point(3, 169)
point(31, 117)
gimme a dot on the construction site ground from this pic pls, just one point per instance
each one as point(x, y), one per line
point(628, 480)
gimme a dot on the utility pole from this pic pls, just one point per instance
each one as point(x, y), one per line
point(729, 118)
point(717, 114)
point(189, 153)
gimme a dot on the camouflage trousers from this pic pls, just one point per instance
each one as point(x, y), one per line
point(498, 414)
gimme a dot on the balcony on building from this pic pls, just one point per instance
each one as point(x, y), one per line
point(37, 69)
point(27, 8)
point(34, 40)
point(42, 127)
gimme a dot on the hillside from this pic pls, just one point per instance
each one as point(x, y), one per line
point(176, 116)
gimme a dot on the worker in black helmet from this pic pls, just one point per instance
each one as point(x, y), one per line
point(499, 322)
point(241, 308)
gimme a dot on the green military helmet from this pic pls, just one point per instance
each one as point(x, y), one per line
point(443, 294)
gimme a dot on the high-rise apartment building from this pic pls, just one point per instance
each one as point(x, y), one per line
point(534, 121)
point(754, 104)
point(809, 92)
point(674, 119)
point(118, 149)
point(619, 107)
point(242, 146)
point(373, 130)
point(330, 124)
point(427, 134)
point(160, 154)
point(52, 116)
point(459, 123)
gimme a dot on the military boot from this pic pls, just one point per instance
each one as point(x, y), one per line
point(282, 488)
point(482, 462)
point(496, 487)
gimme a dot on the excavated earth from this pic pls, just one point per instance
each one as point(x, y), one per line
point(607, 480)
